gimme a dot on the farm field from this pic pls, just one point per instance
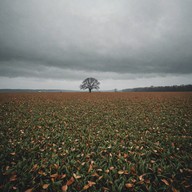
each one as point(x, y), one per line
point(95, 142)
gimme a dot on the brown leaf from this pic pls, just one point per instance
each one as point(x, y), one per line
point(64, 188)
point(35, 167)
point(56, 166)
point(13, 178)
point(90, 168)
point(83, 163)
point(140, 182)
point(125, 155)
point(95, 175)
point(70, 181)
point(85, 187)
point(159, 170)
point(133, 180)
point(133, 170)
point(120, 172)
point(29, 190)
point(128, 185)
point(174, 190)
point(157, 143)
point(45, 186)
point(42, 173)
point(126, 172)
point(76, 176)
point(54, 175)
point(141, 177)
point(105, 189)
point(147, 181)
point(63, 176)
point(91, 183)
point(181, 170)
point(165, 181)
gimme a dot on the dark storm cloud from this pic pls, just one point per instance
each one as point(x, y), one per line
point(123, 36)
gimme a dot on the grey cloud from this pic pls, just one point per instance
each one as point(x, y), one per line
point(116, 37)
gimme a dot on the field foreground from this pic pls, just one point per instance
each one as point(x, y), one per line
point(96, 142)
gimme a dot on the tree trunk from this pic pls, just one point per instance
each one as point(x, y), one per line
point(89, 90)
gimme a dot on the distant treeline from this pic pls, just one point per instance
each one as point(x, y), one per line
point(174, 88)
point(32, 90)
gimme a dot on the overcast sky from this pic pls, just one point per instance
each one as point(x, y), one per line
point(122, 43)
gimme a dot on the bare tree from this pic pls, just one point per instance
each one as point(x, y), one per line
point(90, 83)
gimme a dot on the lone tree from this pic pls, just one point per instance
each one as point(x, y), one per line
point(90, 83)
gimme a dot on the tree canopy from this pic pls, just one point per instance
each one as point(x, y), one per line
point(90, 83)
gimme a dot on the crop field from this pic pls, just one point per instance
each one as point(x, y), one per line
point(95, 142)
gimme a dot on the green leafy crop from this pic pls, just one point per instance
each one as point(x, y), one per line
point(96, 142)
